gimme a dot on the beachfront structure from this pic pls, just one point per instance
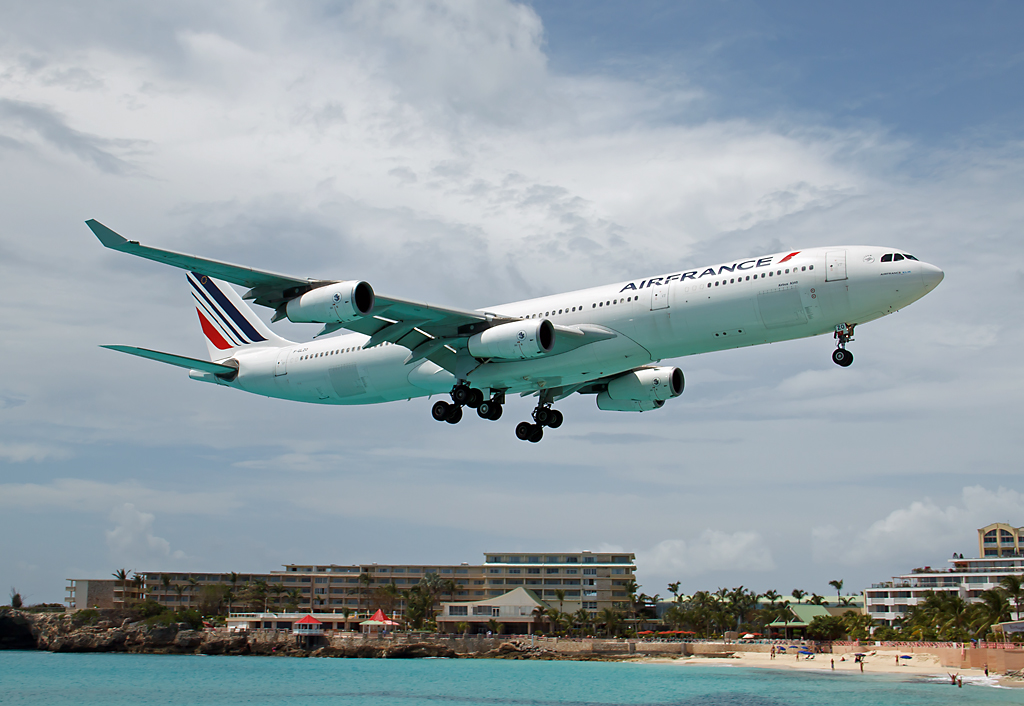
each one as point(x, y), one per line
point(795, 626)
point(592, 581)
point(91, 593)
point(516, 613)
point(1000, 539)
point(889, 601)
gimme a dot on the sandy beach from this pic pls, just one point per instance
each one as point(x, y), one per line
point(876, 662)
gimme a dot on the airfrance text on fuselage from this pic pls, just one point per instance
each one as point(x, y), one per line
point(735, 267)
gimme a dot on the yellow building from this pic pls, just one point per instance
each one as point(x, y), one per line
point(1000, 539)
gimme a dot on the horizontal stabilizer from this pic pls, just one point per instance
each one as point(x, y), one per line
point(178, 360)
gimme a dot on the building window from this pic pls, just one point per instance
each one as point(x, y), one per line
point(589, 605)
point(588, 560)
point(533, 571)
point(458, 610)
point(551, 571)
point(590, 572)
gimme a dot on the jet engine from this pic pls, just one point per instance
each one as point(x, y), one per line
point(517, 340)
point(336, 303)
point(642, 390)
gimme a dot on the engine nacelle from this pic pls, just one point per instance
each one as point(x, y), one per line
point(517, 340)
point(647, 384)
point(609, 405)
point(334, 304)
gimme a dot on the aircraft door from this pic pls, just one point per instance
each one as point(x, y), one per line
point(282, 362)
point(835, 265)
point(659, 297)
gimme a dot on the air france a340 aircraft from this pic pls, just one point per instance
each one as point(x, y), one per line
point(607, 341)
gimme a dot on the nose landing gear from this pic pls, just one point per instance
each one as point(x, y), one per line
point(843, 335)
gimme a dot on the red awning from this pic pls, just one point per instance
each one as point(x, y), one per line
point(381, 618)
point(308, 620)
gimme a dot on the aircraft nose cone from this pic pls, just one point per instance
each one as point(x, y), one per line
point(931, 275)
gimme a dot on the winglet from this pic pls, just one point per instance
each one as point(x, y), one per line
point(109, 238)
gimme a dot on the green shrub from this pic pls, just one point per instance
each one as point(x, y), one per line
point(169, 617)
point(149, 608)
point(89, 616)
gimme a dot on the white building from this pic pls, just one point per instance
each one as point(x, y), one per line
point(889, 601)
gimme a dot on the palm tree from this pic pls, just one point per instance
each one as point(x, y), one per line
point(294, 598)
point(180, 590)
point(122, 579)
point(582, 618)
point(838, 585)
point(1014, 587)
point(495, 627)
point(233, 578)
point(610, 619)
point(560, 597)
point(798, 594)
point(994, 608)
point(193, 586)
point(673, 588)
point(165, 581)
point(365, 581)
point(815, 599)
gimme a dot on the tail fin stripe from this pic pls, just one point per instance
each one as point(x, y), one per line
point(211, 333)
point(230, 309)
point(218, 317)
point(217, 320)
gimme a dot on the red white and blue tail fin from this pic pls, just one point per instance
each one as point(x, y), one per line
point(228, 322)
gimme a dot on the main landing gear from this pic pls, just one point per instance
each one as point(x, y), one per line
point(843, 335)
point(466, 396)
point(543, 416)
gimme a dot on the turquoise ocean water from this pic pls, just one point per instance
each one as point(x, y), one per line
point(85, 679)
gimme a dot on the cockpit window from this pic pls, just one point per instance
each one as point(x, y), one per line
point(909, 257)
point(887, 258)
point(897, 257)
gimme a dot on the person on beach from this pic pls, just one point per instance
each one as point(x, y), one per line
point(952, 678)
point(960, 682)
point(833, 664)
point(773, 652)
point(862, 665)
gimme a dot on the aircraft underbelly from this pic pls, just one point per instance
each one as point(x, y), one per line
point(589, 362)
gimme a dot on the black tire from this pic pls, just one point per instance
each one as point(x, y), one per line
point(842, 357)
point(454, 414)
point(556, 419)
point(495, 412)
point(461, 394)
point(538, 434)
point(476, 398)
point(523, 431)
point(542, 415)
point(440, 411)
point(484, 409)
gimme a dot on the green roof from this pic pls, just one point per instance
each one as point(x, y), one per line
point(804, 613)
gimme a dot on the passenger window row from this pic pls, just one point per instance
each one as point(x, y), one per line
point(737, 280)
point(567, 310)
point(339, 351)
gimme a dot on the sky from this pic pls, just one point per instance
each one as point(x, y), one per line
point(469, 153)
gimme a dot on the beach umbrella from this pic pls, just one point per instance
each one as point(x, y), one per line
point(859, 654)
point(806, 652)
point(904, 656)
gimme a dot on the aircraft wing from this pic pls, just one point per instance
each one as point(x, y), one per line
point(177, 360)
point(429, 331)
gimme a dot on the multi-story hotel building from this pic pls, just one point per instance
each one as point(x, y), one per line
point(889, 601)
point(1000, 539)
point(589, 580)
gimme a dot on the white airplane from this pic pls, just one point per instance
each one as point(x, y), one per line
point(606, 341)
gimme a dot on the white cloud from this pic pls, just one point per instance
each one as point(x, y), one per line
point(711, 550)
point(20, 453)
point(922, 532)
point(93, 496)
point(132, 541)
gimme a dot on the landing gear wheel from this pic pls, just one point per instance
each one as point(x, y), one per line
point(843, 357)
point(555, 419)
point(489, 410)
point(440, 411)
point(542, 415)
point(461, 394)
point(454, 414)
point(537, 435)
point(524, 430)
point(476, 398)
